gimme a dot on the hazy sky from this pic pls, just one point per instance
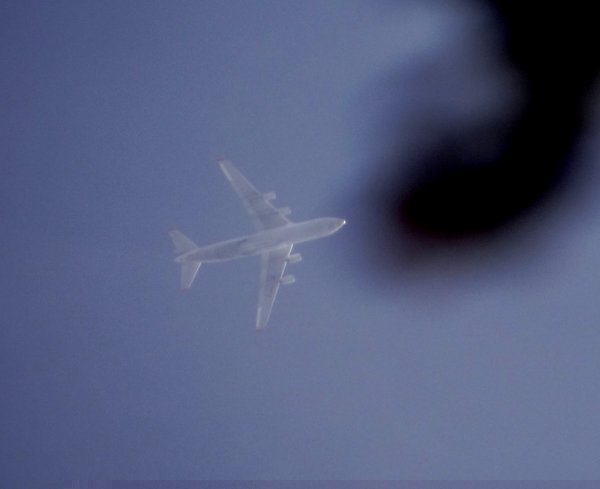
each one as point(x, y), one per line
point(113, 115)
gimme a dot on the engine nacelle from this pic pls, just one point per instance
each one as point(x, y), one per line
point(295, 258)
point(285, 211)
point(269, 195)
point(287, 279)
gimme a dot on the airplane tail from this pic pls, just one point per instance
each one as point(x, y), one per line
point(182, 243)
point(189, 269)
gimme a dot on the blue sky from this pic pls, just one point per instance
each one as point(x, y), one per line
point(482, 365)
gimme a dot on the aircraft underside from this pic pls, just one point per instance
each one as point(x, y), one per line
point(275, 237)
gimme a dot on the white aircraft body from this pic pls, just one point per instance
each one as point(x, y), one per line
point(273, 240)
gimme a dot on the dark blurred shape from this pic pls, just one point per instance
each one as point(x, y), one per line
point(456, 192)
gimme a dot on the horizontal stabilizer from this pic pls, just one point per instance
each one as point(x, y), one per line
point(189, 269)
point(182, 243)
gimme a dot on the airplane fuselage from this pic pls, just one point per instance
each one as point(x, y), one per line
point(264, 241)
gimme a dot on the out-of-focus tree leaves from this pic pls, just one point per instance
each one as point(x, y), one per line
point(453, 194)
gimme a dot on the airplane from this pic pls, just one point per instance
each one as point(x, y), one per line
point(273, 240)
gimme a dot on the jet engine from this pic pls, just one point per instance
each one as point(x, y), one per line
point(287, 279)
point(295, 258)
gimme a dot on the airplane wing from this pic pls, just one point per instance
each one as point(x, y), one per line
point(263, 214)
point(272, 266)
